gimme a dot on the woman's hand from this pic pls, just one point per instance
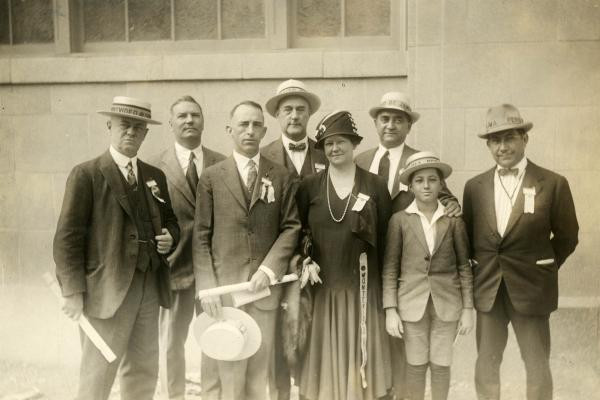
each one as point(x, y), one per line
point(393, 324)
point(310, 271)
point(465, 325)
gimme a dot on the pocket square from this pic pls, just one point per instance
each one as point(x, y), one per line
point(545, 261)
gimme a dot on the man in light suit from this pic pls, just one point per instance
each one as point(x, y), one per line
point(393, 119)
point(182, 164)
point(246, 229)
point(292, 106)
point(522, 226)
point(115, 228)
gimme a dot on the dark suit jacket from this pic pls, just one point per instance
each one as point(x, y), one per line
point(96, 241)
point(231, 240)
point(549, 233)
point(184, 205)
point(276, 153)
point(400, 199)
point(411, 274)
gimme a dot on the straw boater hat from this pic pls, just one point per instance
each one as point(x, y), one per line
point(395, 101)
point(422, 160)
point(336, 123)
point(502, 118)
point(235, 338)
point(131, 108)
point(292, 87)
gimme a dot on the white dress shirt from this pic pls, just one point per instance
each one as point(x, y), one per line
point(183, 156)
point(122, 160)
point(297, 157)
point(241, 162)
point(506, 190)
point(395, 156)
point(429, 227)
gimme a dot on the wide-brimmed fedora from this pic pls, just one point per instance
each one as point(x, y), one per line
point(292, 87)
point(234, 338)
point(130, 107)
point(395, 101)
point(502, 118)
point(337, 122)
point(422, 160)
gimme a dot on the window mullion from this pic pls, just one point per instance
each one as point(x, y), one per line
point(126, 20)
point(278, 23)
point(219, 17)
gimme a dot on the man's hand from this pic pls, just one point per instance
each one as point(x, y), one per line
point(465, 325)
point(212, 306)
point(452, 209)
point(164, 241)
point(72, 306)
point(259, 281)
point(393, 324)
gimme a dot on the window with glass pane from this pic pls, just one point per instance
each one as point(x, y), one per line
point(104, 20)
point(196, 19)
point(243, 19)
point(32, 21)
point(149, 19)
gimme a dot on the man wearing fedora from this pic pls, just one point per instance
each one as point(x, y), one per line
point(522, 226)
point(393, 119)
point(246, 229)
point(182, 164)
point(115, 229)
point(292, 106)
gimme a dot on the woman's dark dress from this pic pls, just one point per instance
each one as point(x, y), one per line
point(331, 368)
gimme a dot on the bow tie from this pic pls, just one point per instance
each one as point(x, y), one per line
point(297, 147)
point(508, 171)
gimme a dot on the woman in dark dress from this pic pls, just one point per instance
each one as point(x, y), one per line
point(345, 210)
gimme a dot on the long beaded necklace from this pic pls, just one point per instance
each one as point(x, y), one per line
point(329, 202)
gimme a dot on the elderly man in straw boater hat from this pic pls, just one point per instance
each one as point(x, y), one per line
point(115, 229)
point(292, 105)
point(522, 226)
point(393, 118)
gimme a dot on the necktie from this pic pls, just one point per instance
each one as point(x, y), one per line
point(508, 171)
point(252, 175)
point(384, 167)
point(297, 147)
point(131, 180)
point(192, 174)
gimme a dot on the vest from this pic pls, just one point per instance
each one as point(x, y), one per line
point(307, 168)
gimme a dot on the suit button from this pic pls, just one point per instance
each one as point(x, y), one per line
point(248, 260)
point(427, 258)
point(131, 236)
point(250, 232)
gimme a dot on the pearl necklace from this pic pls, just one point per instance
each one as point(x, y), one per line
point(329, 202)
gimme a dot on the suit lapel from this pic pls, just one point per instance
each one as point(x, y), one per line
point(275, 152)
point(315, 156)
point(441, 227)
point(175, 174)
point(406, 152)
point(486, 194)
point(143, 177)
point(417, 228)
point(264, 169)
point(111, 172)
point(529, 180)
point(231, 179)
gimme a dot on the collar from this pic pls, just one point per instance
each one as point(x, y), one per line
point(286, 141)
point(414, 209)
point(121, 159)
point(395, 152)
point(521, 165)
point(183, 153)
point(242, 161)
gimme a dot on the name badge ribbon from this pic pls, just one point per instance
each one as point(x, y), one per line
point(319, 167)
point(267, 193)
point(529, 205)
point(154, 189)
point(361, 200)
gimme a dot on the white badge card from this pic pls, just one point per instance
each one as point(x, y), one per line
point(529, 194)
point(361, 200)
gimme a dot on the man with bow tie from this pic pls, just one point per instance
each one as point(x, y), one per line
point(246, 229)
point(116, 228)
point(182, 164)
point(522, 226)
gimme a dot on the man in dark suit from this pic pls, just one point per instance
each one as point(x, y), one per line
point(522, 227)
point(393, 119)
point(292, 106)
point(246, 229)
point(115, 228)
point(182, 164)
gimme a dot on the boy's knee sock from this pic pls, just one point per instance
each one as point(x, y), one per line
point(415, 381)
point(440, 381)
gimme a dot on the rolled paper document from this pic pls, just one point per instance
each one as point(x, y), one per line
point(84, 324)
point(238, 287)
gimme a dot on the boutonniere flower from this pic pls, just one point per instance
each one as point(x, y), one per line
point(154, 189)
point(267, 192)
point(319, 167)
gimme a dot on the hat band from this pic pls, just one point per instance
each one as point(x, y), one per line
point(423, 161)
point(131, 110)
point(396, 103)
point(290, 89)
point(509, 121)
